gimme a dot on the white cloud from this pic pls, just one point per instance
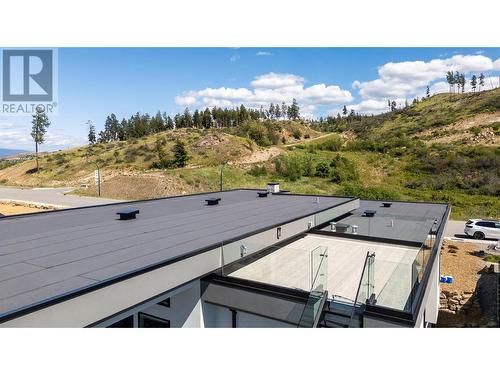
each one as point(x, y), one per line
point(19, 137)
point(276, 80)
point(234, 58)
point(269, 88)
point(185, 100)
point(496, 64)
point(407, 78)
point(263, 53)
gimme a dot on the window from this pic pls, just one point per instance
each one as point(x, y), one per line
point(486, 224)
point(128, 322)
point(150, 321)
point(165, 302)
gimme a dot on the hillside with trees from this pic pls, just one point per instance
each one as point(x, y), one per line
point(405, 153)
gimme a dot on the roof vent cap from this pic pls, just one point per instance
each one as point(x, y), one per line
point(212, 201)
point(128, 213)
point(370, 213)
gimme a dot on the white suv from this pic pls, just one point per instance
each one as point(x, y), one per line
point(482, 228)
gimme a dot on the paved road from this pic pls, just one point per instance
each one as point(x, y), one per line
point(54, 197)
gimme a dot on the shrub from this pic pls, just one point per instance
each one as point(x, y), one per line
point(258, 133)
point(476, 130)
point(343, 170)
point(257, 171)
point(333, 143)
point(296, 133)
point(322, 169)
point(288, 167)
point(374, 192)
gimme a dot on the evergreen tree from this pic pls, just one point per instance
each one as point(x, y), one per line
point(393, 105)
point(344, 110)
point(428, 92)
point(271, 111)
point(481, 81)
point(473, 83)
point(277, 112)
point(284, 110)
point(187, 120)
point(294, 110)
point(180, 154)
point(207, 119)
point(197, 120)
point(91, 136)
point(449, 79)
point(462, 82)
point(456, 81)
point(40, 123)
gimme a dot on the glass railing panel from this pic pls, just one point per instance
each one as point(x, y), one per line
point(318, 277)
point(394, 283)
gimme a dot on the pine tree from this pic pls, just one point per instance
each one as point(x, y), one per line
point(449, 78)
point(462, 82)
point(40, 123)
point(277, 112)
point(271, 111)
point(456, 81)
point(207, 119)
point(180, 154)
point(91, 136)
point(294, 110)
point(481, 81)
point(393, 105)
point(473, 83)
point(284, 110)
point(197, 120)
point(344, 111)
point(428, 92)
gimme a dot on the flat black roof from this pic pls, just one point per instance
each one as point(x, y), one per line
point(402, 221)
point(46, 255)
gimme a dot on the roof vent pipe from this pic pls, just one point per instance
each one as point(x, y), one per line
point(273, 187)
point(333, 226)
point(354, 229)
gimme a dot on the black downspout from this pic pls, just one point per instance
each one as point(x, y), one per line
point(233, 318)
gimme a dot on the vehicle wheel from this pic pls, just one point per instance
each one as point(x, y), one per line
point(479, 235)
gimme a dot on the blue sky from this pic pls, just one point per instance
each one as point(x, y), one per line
point(94, 82)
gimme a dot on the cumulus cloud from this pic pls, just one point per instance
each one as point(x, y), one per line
point(408, 78)
point(276, 80)
point(266, 89)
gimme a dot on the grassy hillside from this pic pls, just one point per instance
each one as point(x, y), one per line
point(443, 149)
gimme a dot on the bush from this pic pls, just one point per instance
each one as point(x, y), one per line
point(259, 134)
point(322, 169)
point(333, 143)
point(288, 167)
point(296, 133)
point(363, 192)
point(257, 171)
point(476, 130)
point(343, 170)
